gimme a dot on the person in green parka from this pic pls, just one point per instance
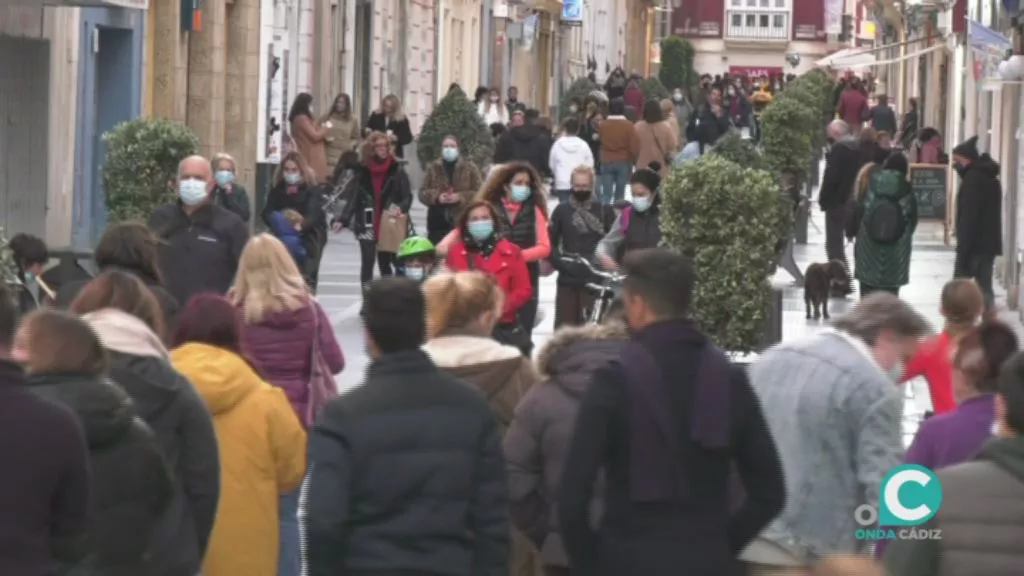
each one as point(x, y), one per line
point(888, 218)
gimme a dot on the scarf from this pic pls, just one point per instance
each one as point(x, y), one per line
point(379, 174)
point(484, 247)
point(124, 333)
point(583, 218)
point(655, 471)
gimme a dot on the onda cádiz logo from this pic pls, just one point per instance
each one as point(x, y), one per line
point(910, 496)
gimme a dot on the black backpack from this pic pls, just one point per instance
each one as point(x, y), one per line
point(885, 222)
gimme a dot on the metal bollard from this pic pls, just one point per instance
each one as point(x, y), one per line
point(773, 321)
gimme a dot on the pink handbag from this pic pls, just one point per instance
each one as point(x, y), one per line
point(321, 386)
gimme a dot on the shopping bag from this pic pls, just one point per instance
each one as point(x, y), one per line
point(393, 230)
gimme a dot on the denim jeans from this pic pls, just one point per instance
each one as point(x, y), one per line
point(289, 561)
point(613, 178)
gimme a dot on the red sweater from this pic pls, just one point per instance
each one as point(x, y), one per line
point(934, 361)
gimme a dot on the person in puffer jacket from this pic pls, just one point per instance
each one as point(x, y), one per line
point(287, 226)
point(538, 439)
point(568, 153)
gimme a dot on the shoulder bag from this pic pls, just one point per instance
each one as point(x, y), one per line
point(321, 387)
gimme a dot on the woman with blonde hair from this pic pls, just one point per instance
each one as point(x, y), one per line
point(462, 311)
point(228, 193)
point(343, 129)
point(284, 331)
point(392, 122)
point(295, 188)
point(668, 111)
point(379, 188)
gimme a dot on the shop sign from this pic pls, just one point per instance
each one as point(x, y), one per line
point(755, 71)
point(572, 12)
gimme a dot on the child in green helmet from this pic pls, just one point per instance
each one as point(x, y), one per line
point(416, 258)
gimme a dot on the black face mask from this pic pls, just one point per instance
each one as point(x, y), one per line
point(581, 194)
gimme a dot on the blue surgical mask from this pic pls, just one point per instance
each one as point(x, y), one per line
point(520, 193)
point(481, 229)
point(192, 192)
point(896, 372)
point(641, 203)
point(415, 274)
point(450, 154)
point(224, 177)
point(292, 178)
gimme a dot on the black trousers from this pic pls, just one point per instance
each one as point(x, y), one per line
point(866, 289)
point(368, 254)
point(569, 304)
point(980, 268)
point(835, 235)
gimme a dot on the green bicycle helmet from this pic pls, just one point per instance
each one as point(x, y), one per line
point(415, 246)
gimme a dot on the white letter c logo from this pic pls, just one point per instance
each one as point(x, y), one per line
point(892, 495)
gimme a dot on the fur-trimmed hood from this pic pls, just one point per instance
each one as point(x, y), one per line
point(572, 354)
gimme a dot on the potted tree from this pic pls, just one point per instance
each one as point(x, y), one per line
point(456, 116)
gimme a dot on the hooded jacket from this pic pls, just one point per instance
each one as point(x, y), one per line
point(172, 409)
point(538, 439)
point(876, 263)
point(567, 153)
point(281, 347)
point(264, 449)
point(979, 210)
point(289, 236)
point(132, 486)
point(527, 143)
point(842, 163)
point(981, 518)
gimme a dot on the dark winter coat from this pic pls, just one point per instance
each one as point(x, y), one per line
point(236, 200)
point(705, 128)
point(527, 143)
point(444, 513)
point(841, 167)
point(132, 486)
point(981, 518)
point(308, 201)
point(538, 440)
point(886, 265)
point(183, 427)
point(378, 122)
point(883, 119)
point(45, 500)
point(170, 306)
point(200, 252)
point(979, 210)
point(397, 190)
point(569, 234)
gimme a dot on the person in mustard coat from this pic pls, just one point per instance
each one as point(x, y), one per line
point(262, 444)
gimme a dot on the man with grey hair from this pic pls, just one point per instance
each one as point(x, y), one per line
point(841, 166)
point(834, 410)
point(202, 241)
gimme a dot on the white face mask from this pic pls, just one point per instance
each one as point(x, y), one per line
point(192, 191)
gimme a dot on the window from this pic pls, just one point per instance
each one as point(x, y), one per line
point(778, 21)
point(758, 19)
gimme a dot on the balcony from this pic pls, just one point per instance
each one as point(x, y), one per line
point(757, 25)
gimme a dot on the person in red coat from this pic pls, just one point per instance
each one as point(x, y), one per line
point(634, 98)
point(853, 106)
point(480, 246)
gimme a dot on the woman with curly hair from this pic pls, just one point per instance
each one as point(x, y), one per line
point(514, 191)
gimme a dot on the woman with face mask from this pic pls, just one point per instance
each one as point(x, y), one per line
point(576, 228)
point(392, 122)
point(380, 187)
point(343, 130)
point(295, 189)
point(481, 246)
point(514, 191)
point(310, 138)
point(492, 110)
point(228, 193)
point(449, 183)
point(589, 120)
point(637, 226)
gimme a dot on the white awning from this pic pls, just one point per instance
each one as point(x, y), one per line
point(847, 58)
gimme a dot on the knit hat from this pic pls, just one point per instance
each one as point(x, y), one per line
point(647, 176)
point(968, 149)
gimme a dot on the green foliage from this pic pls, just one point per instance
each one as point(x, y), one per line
point(8, 268)
point(654, 89)
point(788, 136)
point(142, 161)
point(739, 151)
point(677, 63)
point(455, 115)
point(578, 92)
point(728, 218)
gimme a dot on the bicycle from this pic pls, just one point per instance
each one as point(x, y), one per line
point(604, 292)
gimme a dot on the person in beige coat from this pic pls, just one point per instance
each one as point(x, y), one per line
point(668, 111)
point(343, 134)
point(309, 137)
point(462, 309)
point(658, 142)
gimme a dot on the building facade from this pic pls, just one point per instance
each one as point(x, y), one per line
point(459, 35)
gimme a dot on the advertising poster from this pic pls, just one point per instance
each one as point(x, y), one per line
point(272, 115)
point(833, 17)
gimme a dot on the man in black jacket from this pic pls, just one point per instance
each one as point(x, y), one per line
point(841, 166)
point(45, 483)
point(979, 216)
point(406, 474)
point(202, 241)
point(525, 142)
point(667, 424)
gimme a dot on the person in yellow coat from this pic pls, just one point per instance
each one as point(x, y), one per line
point(262, 444)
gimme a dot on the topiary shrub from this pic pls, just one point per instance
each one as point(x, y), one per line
point(739, 151)
point(728, 219)
point(8, 268)
point(578, 91)
point(142, 161)
point(455, 115)
point(677, 63)
point(788, 134)
point(654, 89)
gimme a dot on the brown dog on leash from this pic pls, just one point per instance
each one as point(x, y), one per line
point(820, 280)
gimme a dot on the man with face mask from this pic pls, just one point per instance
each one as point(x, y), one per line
point(979, 216)
point(667, 423)
point(841, 166)
point(202, 241)
point(833, 407)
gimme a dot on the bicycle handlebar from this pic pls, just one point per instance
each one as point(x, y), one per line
point(613, 277)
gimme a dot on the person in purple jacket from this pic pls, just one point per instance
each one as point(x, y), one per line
point(282, 328)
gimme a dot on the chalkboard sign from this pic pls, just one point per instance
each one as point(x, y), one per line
point(928, 181)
